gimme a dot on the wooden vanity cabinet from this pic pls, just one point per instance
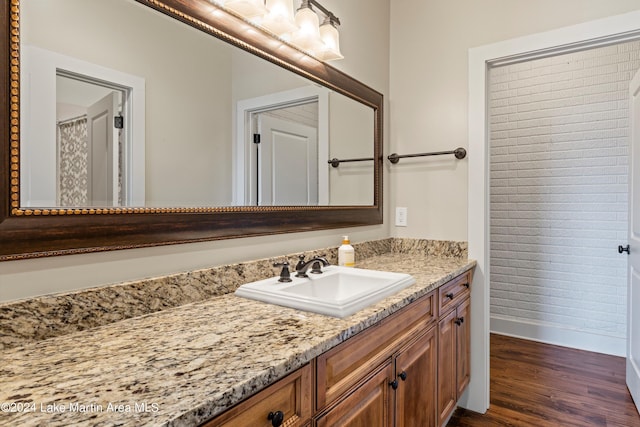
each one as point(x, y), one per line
point(385, 376)
point(453, 344)
point(289, 398)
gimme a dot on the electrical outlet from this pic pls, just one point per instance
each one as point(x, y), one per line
point(401, 217)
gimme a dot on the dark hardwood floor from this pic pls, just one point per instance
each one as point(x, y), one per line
point(534, 384)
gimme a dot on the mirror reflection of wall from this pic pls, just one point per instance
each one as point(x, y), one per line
point(184, 152)
point(351, 133)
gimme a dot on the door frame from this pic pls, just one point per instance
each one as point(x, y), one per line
point(243, 140)
point(38, 120)
point(590, 34)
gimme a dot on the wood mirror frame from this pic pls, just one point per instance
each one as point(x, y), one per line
point(31, 233)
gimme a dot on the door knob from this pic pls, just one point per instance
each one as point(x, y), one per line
point(623, 249)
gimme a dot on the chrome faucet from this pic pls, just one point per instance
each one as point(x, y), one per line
point(315, 263)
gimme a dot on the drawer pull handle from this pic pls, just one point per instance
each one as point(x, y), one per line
point(459, 321)
point(276, 418)
point(449, 295)
point(623, 249)
point(394, 384)
point(402, 375)
point(466, 285)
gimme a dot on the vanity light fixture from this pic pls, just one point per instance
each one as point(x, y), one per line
point(279, 18)
point(331, 40)
point(302, 30)
point(249, 9)
point(307, 36)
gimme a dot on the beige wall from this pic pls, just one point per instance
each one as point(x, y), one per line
point(365, 44)
point(428, 94)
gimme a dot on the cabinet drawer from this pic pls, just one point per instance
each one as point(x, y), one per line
point(290, 395)
point(342, 367)
point(453, 293)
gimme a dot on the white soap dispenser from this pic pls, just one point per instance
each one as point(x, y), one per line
point(346, 253)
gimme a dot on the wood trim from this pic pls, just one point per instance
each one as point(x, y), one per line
point(463, 348)
point(447, 367)
point(31, 233)
point(8, 148)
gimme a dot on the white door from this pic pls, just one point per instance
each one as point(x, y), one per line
point(287, 163)
point(633, 295)
point(103, 152)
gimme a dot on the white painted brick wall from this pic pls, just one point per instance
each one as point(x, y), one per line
point(559, 133)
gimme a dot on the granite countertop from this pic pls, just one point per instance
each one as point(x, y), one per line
point(181, 366)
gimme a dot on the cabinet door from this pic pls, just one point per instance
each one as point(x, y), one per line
point(417, 381)
point(463, 346)
point(447, 369)
point(369, 405)
point(342, 367)
point(290, 395)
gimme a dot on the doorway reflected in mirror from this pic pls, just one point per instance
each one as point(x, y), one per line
point(90, 135)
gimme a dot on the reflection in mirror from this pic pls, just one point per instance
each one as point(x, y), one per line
point(90, 133)
point(190, 117)
point(285, 158)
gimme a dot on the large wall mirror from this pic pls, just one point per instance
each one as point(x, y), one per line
point(131, 123)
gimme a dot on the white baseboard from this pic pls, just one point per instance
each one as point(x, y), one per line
point(557, 335)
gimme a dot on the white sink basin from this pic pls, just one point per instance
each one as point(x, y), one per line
point(338, 291)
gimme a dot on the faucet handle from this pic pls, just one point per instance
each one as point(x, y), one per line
point(300, 263)
point(285, 274)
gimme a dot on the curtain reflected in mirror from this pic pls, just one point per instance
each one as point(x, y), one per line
point(73, 156)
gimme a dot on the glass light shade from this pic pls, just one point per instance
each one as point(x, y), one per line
point(249, 9)
point(331, 40)
point(279, 20)
point(307, 37)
